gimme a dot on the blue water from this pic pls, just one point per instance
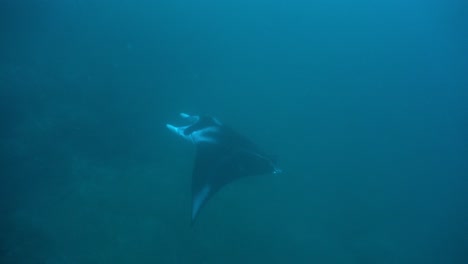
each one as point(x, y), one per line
point(365, 104)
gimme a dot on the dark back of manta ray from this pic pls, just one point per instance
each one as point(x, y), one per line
point(233, 156)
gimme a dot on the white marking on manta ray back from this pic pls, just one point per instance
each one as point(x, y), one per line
point(201, 135)
point(184, 115)
point(217, 121)
point(179, 131)
point(201, 196)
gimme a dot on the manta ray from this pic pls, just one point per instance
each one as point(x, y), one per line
point(222, 156)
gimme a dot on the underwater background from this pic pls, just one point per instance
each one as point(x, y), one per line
point(365, 103)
